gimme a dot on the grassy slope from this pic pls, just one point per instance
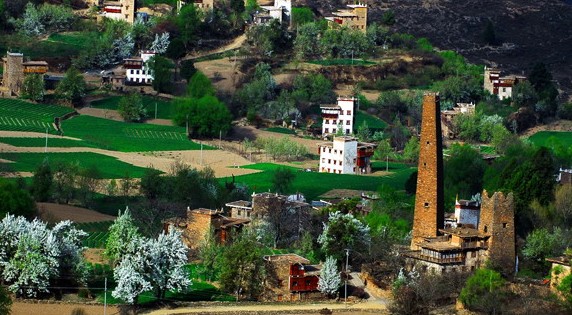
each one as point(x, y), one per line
point(542, 138)
point(164, 108)
point(128, 137)
point(109, 167)
point(313, 184)
point(41, 142)
point(373, 122)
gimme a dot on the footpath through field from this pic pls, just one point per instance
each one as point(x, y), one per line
point(368, 307)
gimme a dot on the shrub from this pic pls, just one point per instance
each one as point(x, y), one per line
point(483, 291)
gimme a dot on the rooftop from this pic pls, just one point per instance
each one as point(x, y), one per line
point(291, 258)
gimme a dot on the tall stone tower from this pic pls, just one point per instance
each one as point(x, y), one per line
point(429, 214)
point(13, 72)
point(128, 10)
point(497, 220)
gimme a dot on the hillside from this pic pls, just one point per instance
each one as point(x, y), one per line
point(531, 30)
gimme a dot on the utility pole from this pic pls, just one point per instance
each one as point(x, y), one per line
point(155, 110)
point(46, 147)
point(105, 297)
point(387, 163)
point(201, 154)
point(347, 275)
point(220, 139)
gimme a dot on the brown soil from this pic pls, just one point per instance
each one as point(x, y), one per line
point(228, 70)
point(53, 212)
point(558, 125)
point(94, 256)
point(21, 308)
point(343, 193)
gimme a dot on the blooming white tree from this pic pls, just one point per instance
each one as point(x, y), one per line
point(123, 46)
point(152, 265)
point(330, 279)
point(161, 43)
point(32, 256)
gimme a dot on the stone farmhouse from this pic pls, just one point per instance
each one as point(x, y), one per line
point(447, 117)
point(289, 215)
point(290, 277)
point(345, 155)
point(500, 86)
point(355, 17)
point(15, 70)
point(198, 223)
point(280, 10)
point(136, 70)
point(338, 118)
point(476, 237)
point(124, 10)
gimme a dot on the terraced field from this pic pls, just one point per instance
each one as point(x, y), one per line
point(17, 115)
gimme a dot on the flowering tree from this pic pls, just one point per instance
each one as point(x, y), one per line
point(32, 256)
point(161, 43)
point(342, 232)
point(152, 265)
point(121, 234)
point(330, 278)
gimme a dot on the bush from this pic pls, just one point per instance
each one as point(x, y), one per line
point(483, 291)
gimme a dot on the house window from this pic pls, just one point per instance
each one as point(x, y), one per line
point(333, 122)
point(308, 282)
point(347, 131)
point(340, 151)
point(473, 254)
point(504, 89)
point(329, 161)
point(295, 284)
point(348, 122)
point(335, 151)
point(486, 229)
point(348, 112)
point(137, 72)
point(323, 160)
point(427, 142)
point(335, 161)
point(327, 121)
point(330, 150)
point(340, 163)
point(334, 130)
point(327, 130)
point(504, 225)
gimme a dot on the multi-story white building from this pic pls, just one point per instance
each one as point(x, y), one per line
point(123, 10)
point(136, 70)
point(345, 155)
point(339, 116)
point(281, 11)
point(500, 86)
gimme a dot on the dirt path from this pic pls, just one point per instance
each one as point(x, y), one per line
point(559, 125)
point(223, 163)
point(236, 43)
point(21, 308)
point(286, 308)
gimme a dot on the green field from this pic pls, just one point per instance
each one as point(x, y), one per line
point(108, 166)
point(313, 184)
point(546, 138)
point(41, 142)
point(56, 46)
point(128, 137)
point(17, 115)
point(373, 122)
point(164, 108)
point(78, 39)
point(281, 130)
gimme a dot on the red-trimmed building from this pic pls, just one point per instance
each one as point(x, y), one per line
point(500, 86)
point(291, 277)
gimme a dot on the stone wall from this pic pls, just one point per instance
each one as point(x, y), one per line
point(429, 209)
point(13, 72)
point(497, 220)
point(198, 226)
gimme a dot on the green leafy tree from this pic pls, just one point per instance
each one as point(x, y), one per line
point(384, 150)
point(151, 184)
point(388, 18)
point(301, 16)
point(131, 108)
point(268, 39)
point(565, 288)
point(72, 87)
point(543, 243)
point(209, 253)
point(483, 291)
point(313, 89)
point(307, 44)
point(199, 86)
point(188, 22)
point(282, 180)
point(5, 301)
point(33, 87)
point(15, 200)
point(363, 132)
point(489, 34)
point(121, 233)
point(42, 182)
point(205, 117)
point(463, 173)
point(343, 231)
point(160, 68)
point(242, 268)
point(524, 95)
point(411, 150)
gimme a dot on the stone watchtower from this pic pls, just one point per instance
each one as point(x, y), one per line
point(497, 220)
point(429, 214)
point(13, 72)
point(128, 10)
